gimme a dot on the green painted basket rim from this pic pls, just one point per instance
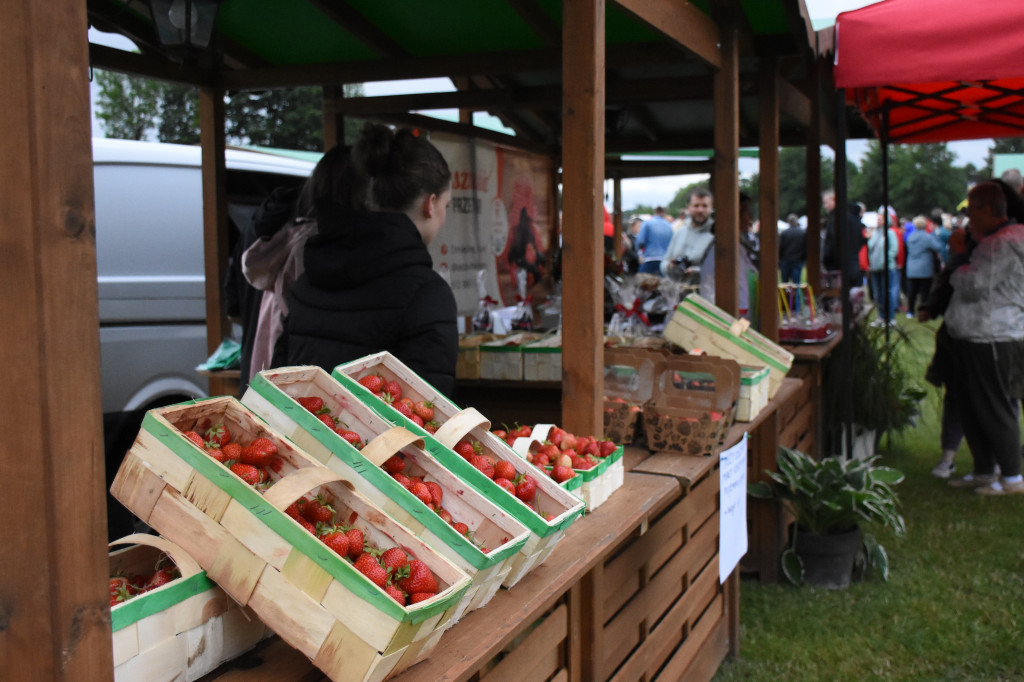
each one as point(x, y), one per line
point(144, 605)
point(286, 527)
point(380, 479)
point(463, 469)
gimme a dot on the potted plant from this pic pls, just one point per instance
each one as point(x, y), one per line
point(831, 499)
point(884, 395)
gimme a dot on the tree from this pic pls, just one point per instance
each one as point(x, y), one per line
point(1006, 145)
point(127, 106)
point(682, 197)
point(792, 180)
point(921, 177)
point(287, 118)
point(179, 114)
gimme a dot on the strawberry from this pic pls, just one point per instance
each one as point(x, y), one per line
point(196, 438)
point(436, 493)
point(395, 593)
point(259, 453)
point(218, 453)
point(523, 431)
point(403, 479)
point(506, 484)
point(483, 464)
point(421, 596)
point(337, 541)
point(416, 419)
point(314, 404)
point(374, 382)
point(526, 490)
point(504, 469)
point(431, 426)
point(592, 448)
point(327, 420)
point(607, 447)
point(316, 511)
point(369, 567)
point(162, 577)
point(122, 593)
point(219, 434)
point(394, 464)
point(307, 525)
point(500, 433)
point(352, 437)
point(404, 406)
point(461, 528)
point(393, 559)
point(421, 491)
point(420, 578)
point(468, 448)
point(294, 509)
point(394, 389)
point(562, 474)
point(231, 451)
point(246, 472)
point(355, 542)
point(425, 410)
point(445, 515)
point(580, 463)
point(541, 459)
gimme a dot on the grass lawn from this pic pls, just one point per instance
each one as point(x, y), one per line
point(953, 608)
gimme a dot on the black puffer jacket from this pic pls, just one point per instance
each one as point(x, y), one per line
point(369, 287)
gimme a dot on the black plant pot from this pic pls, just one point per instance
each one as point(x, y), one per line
point(828, 558)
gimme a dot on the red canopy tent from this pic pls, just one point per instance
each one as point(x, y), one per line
point(939, 70)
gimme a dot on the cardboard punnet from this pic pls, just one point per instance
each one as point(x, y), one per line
point(693, 404)
point(628, 383)
point(561, 506)
point(314, 599)
point(181, 630)
point(271, 395)
point(468, 364)
point(699, 324)
point(503, 357)
point(542, 360)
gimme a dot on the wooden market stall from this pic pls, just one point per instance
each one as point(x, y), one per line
point(575, 80)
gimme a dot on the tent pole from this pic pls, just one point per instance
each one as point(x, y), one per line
point(839, 216)
point(889, 313)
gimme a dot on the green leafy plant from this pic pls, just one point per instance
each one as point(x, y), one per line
point(833, 496)
point(885, 396)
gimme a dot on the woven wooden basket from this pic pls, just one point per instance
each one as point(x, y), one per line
point(313, 598)
point(272, 394)
point(561, 506)
point(181, 630)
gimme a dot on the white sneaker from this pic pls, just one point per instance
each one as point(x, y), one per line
point(1001, 488)
point(944, 468)
point(973, 480)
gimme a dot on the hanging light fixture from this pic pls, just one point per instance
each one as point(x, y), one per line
point(188, 23)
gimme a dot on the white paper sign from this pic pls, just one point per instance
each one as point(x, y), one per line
point(732, 538)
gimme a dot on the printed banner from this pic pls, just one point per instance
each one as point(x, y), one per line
point(499, 221)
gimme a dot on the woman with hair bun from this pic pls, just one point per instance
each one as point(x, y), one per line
point(368, 284)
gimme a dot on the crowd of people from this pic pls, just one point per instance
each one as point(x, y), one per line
point(966, 268)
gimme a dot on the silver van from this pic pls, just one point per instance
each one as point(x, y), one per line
point(149, 251)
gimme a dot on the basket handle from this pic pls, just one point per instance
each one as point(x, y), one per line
point(381, 448)
point(298, 483)
point(182, 559)
point(453, 430)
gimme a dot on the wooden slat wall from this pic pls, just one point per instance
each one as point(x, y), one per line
point(769, 200)
point(54, 613)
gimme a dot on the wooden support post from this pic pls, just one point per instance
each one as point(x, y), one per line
point(814, 184)
point(583, 70)
point(54, 612)
point(334, 118)
point(768, 96)
point(215, 227)
point(726, 170)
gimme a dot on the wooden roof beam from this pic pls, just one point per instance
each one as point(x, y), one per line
point(442, 126)
point(681, 22)
point(444, 66)
point(348, 18)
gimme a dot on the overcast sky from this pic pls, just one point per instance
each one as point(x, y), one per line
point(648, 191)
